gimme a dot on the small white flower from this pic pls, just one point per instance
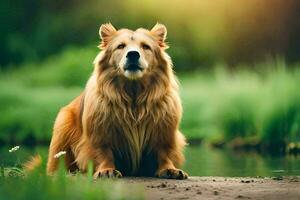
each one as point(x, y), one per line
point(59, 154)
point(14, 149)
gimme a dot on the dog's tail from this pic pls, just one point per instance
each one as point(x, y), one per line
point(33, 163)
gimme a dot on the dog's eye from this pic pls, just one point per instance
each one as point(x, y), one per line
point(146, 47)
point(121, 46)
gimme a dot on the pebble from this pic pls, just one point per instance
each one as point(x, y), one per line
point(247, 181)
point(278, 178)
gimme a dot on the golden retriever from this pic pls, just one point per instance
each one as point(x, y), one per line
point(126, 120)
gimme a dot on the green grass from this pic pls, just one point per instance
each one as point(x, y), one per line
point(36, 185)
point(30, 112)
point(219, 105)
point(222, 106)
point(31, 96)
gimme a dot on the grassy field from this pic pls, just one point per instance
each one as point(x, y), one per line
point(36, 185)
point(261, 106)
point(255, 106)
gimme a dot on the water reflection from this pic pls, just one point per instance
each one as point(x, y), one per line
point(200, 161)
point(205, 161)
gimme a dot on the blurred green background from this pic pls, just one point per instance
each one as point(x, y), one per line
point(237, 61)
point(201, 33)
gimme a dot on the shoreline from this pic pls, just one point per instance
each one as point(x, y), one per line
point(287, 187)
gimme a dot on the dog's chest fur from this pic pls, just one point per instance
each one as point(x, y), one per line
point(134, 126)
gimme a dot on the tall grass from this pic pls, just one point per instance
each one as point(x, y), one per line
point(225, 105)
point(218, 105)
point(32, 95)
point(37, 185)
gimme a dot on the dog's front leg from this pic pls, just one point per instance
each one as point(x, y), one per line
point(106, 166)
point(101, 157)
point(166, 167)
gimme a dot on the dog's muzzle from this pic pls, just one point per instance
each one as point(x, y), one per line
point(132, 61)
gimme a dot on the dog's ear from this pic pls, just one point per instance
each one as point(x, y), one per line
point(159, 31)
point(106, 32)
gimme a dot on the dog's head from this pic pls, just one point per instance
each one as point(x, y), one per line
point(133, 54)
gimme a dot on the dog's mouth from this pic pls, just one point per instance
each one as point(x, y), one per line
point(133, 71)
point(132, 67)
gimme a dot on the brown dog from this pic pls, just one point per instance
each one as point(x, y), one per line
point(126, 120)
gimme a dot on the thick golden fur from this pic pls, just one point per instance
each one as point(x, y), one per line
point(125, 127)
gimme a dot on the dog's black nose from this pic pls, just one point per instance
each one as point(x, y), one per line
point(133, 56)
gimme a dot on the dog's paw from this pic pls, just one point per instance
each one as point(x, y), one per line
point(172, 174)
point(107, 173)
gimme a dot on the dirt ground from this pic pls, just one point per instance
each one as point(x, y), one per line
point(283, 188)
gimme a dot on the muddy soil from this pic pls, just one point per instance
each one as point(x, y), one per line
point(283, 188)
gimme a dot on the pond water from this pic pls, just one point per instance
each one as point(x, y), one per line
point(205, 161)
point(200, 161)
